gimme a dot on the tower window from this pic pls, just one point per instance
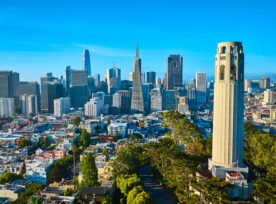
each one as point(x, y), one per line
point(221, 72)
point(233, 72)
point(223, 50)
point(234, 50)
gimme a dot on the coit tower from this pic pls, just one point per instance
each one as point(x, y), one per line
point(227, 149)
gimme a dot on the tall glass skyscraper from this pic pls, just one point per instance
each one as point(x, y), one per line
point(86, 65)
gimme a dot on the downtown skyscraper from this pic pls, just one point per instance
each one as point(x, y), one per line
point(137, 101)
point(86, 65)
point(173, 77)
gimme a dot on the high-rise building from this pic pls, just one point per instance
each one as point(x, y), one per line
point(9, 85)
point(201, 88)
point(86, 65)
point(174, 72)
point(29, 104)
point(143, 76)
point(61, 106)
point(158, 82)
point(247, 84)
point(130, 77)
point(156, 100)
point(191, 92)
point(169, 100)
point(183, 104)
point(113, 79)
point(265, 82)
point(6, 107)
point(51, 89)
point(228, 118)
point(67, 80)
point(146, 88)
point(125, 100)
point(117, 100)
point(137, 102)
point(30, 88)
point(78, 88)
point(151, 76)
point(97, 79)
point(268, 97)
point(94, 107)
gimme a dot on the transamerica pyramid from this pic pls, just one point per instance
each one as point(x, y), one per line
point(137, 101)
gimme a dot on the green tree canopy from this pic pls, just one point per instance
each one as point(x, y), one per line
point(138, 196)
point(28, 192)
point(127, 160)
point(126, 182)
point(76, 121)
point(8, 177)
point(89, 171)
point(60, 169)
point(85, 139)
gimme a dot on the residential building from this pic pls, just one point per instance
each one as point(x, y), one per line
point(94, 107)
point(6, 107)
point(61, 106)
point(29, 105)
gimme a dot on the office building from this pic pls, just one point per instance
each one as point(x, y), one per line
point(113, 79)
point(61, 106)
point(30, 88)
point(151, 76)
point(117, 100)
point(268, 97)
point(174, 72)
point(169, 100)
point(94, 107)
point(125, 100)
point(265, 82)
point(156, 100)
point(130, 78)
point(137, 102)
point(51, 88)
point(9, 85)
point(158, 82)
point(183, 104)
point(67, 80)
point(6, 107)
point(97, 79)
point(228, 118)
point(86, 65)
point(191, 92)
point(146, 89)
point(78, 88)
point(201, 88)
point(143, 76)
point(29, 104)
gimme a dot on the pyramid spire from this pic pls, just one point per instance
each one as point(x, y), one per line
point(137, 51)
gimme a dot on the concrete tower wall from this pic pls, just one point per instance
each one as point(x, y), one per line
point(228, 105)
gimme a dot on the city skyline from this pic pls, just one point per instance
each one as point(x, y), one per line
point(50, 39)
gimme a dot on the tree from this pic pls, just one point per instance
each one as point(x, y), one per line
point(126, 182)
point(105, 151)
point(28, 192)
point(36, 200)
point(85, 139)
point(107, 200)
point(76, 121)
point(138, 196)
point(127, 160)
point(211, 190)
point(136, 136)
point(8, 177)
point(23, 143)
point(264, 188)
point(60, 169)
point(89, 171)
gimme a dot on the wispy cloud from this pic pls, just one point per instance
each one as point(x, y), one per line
point(107, 51)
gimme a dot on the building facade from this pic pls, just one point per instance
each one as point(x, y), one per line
point(156, 100)
point(61, 106)
point(201, 88)
point(174, 72)
point(86, 65)
point(6, 107)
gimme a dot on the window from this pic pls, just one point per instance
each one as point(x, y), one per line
point(233, 72)
point(223, 50)
point(221, 72)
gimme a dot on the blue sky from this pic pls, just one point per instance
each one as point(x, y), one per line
point(45, 36)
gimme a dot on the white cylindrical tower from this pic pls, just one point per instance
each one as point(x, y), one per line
point(227, 150)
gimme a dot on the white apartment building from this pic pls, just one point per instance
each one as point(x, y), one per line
point(61, 106)
point(94, 107)
point(117, 128)
point(6, 107)
point(268, 97)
